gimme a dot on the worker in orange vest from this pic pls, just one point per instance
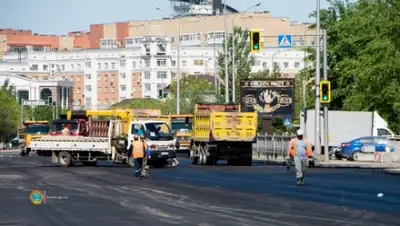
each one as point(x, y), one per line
point(300, 149)
point(138, 154)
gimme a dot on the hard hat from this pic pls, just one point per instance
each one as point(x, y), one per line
point(299, 132)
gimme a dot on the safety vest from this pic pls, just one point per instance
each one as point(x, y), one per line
point(293, 147)
point(138, 149)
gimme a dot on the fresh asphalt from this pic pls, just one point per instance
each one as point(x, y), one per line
point(195, 195)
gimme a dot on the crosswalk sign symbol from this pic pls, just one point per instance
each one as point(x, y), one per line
point(286, 122)
point(285, 41)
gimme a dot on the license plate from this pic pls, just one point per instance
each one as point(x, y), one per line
point(164, 153)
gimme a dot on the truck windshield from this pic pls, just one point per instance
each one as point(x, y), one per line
point(37, 129)
point(159, 131)
point(181, 126)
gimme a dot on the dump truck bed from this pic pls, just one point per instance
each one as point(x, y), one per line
point(225, 126)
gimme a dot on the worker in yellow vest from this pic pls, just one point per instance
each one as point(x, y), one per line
point(138, 154)
point(300, 149)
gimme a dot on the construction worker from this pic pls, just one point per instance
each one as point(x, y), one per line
point(65, 131)
point(300, 149)
point(138, 153)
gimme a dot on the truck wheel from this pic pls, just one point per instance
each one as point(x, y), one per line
point(94, 163)
point(65, 159)
point(246, 161)
point(232, 162)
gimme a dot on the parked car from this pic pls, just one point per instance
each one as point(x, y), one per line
point(351, 150)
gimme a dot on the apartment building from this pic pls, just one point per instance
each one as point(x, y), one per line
point(102, 77)
point(194, 31)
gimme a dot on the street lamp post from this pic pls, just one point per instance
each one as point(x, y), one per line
point(226, 56)
point(233, 50)
point(317, 80)
point(178, 77)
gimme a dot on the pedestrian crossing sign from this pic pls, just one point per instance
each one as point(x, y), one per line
point(284, 41)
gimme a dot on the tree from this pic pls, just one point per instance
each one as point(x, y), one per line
point(364, 49)
point(193, 89)
point(275, 73)
point(243, 59)
point(9, 112)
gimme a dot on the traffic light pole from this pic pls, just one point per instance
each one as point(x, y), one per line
point(325, 62)
point(317, 130)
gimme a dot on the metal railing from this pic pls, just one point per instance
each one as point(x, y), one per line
point(271, 148)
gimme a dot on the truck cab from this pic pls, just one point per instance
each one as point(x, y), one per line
point(32, 130)
point(157, 136)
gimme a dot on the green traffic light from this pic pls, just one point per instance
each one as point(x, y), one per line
point(255, 46)
point(325, 98)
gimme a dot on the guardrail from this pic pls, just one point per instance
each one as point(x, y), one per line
point(271, 148)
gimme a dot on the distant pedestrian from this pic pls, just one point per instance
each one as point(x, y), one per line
point(300, 149)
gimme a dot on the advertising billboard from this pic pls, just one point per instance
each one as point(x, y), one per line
point(273, 97)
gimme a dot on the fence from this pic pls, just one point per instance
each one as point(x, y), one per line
point(271, 148)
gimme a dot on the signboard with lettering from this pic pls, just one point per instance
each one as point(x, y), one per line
point(273, 97)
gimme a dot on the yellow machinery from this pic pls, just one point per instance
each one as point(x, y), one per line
point(222, 132)
point(32, 130)
point(125, 115)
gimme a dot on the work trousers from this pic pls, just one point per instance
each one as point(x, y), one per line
point(300, 165)
point(138, 166)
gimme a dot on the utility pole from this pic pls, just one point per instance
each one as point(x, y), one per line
point(325, 62)
point(226, 56)
point(317, 130)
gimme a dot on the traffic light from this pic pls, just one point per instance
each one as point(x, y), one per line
point(325, 92)
point(255, 41)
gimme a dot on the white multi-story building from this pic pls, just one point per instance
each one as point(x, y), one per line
point(108, 75)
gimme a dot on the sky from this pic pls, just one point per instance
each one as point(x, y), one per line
point(61, 16)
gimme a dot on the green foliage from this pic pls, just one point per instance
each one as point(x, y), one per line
point(192, 89)
point(363, 56)
point(9, 112)
point(243, 59)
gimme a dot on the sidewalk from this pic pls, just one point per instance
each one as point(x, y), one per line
point(351, 164)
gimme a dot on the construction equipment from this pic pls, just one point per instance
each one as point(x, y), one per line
point(109, 140)
point(222, 132)
point(29, 131)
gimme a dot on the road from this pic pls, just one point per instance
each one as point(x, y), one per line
point(195, 195)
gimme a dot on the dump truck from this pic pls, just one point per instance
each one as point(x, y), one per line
point(109, 140)
point(222, 132)
point(29, 131)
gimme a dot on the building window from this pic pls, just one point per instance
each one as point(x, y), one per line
point(123, 87)
point(265, 65)
point(106, 66)
point(34, 67)
point(147, 63)
point(88, 101)
point(173, 75)
point(98, 66)
point(296, 64)
point(173, 63)
point(134, 64)
point(161, 62)
point(147, 87)
point(88, 88)
point(63, 67)
point(112, 89)
point(45, 67)
point(113, 65)
point(122, 63)
point(285, 64)
point(184, 63)
point(198, 62)
point(99, 90)
point(88, 64)
point(113, 77)
point(147, 75)
point(78, 91)
point(161, 74)
point(257, 63)
point(147, 97)
point(123, 75)
point(78, 66)
point(72, 67)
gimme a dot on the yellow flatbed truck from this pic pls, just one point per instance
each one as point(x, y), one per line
point(222, 132)
point(29, 131)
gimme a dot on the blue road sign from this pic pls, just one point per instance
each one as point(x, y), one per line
point(284, 41)
point(287, 122)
